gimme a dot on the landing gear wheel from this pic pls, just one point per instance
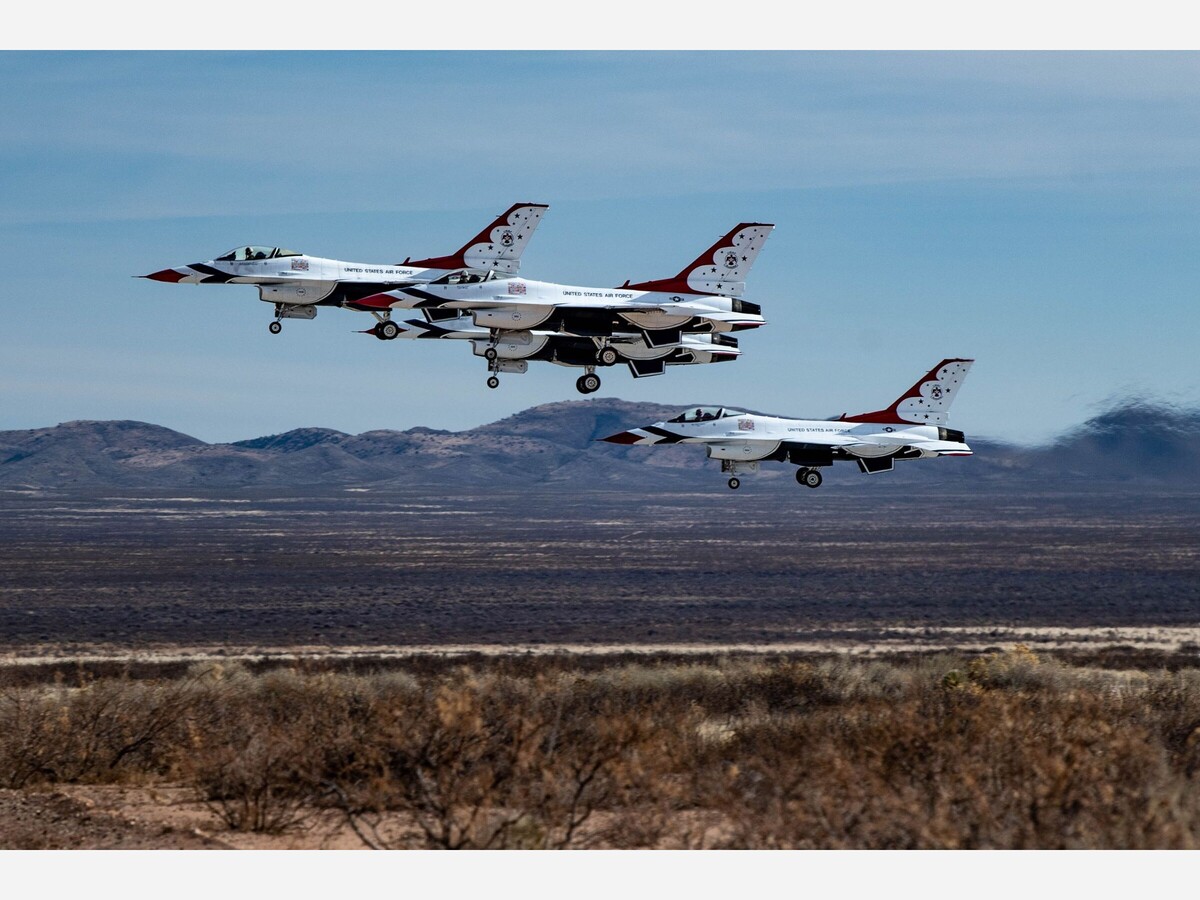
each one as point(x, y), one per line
point(493, 382)
point(810, 478)
point(275, 327)
point(607, 356)
point(387, 330)
point(735, 483)
point(490, 354)
point(588, 384)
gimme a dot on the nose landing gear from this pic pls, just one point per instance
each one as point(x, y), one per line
point(735, 483)
point(275, 327)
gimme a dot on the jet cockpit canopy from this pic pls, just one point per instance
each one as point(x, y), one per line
point(705, 414)
point(250, 252)
point(466, 277)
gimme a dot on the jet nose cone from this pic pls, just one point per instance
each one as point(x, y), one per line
point(624, 437)
point(171, 276)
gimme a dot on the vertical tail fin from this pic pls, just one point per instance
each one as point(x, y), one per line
point(928, 401)
point(722, 268)
point(499, 246)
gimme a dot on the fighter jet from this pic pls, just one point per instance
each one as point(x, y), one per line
point(513, 350)
point(297, 283)
point(704, 298)
point(914, 427)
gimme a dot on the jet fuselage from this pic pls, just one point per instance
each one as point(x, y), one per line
point(519, 304)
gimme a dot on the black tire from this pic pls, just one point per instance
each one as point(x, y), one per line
point(607, 356)
point(493, 382)
point(735, 483)
point(275, 328)
point(490, 354)
point(589, 384)
point(388, 330)
point(812, 478)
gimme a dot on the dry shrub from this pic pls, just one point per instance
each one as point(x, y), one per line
point(98, 731)
point(1008, 749)
point(483, 762)
point(1016, 669)
point(260, 783)
point(952, 769)
point(260, 747)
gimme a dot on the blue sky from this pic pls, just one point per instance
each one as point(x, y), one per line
point(1035, 211)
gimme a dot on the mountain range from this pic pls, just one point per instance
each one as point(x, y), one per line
point(1135, 445)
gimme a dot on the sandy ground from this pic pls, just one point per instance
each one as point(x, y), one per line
point(858, 641)
point(116, 817)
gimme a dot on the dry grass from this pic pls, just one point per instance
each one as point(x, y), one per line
point(1004, 750)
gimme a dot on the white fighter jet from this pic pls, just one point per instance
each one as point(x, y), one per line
point(914, 427)
point(704, 298)
point(297, 283)
point(513, 350)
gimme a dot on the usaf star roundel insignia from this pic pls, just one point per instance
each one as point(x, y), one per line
point(676, 299)
point(507, 239)
point(731, 260)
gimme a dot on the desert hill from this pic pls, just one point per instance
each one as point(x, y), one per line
point(1133, 444)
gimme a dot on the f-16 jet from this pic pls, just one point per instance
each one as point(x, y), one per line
point(913, 427)
point(297, 283)
point(704, 298)
point(515, 349)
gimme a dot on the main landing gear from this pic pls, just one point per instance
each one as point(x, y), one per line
point(385, 329)
point(810, 478)
point(589, 383)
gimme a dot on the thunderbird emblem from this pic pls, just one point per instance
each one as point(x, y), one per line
point(936, 393)
point(731, 260)
point(507, 239)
